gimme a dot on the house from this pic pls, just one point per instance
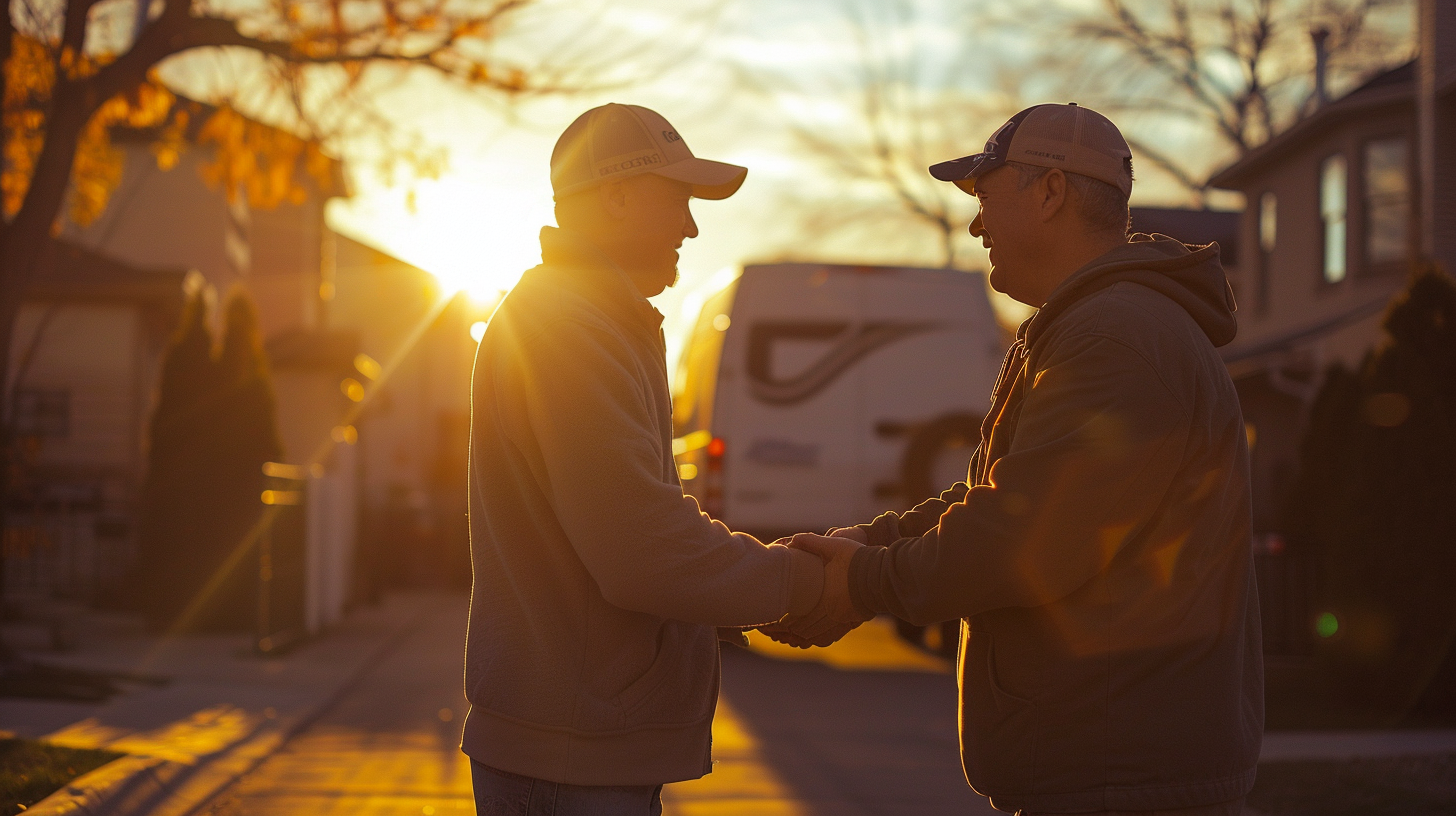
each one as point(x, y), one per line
point(334, 314)
point(414, 431)
point(1340, 207)
point(85, 359)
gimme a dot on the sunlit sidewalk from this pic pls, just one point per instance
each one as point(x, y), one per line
point(389, 748)
point(212, 708)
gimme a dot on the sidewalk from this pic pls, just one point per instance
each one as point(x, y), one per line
point(1292, 746)
point(222, 710)
point(370, 714)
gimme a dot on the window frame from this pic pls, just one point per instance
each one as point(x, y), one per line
point(1324, 231)
point(1267, 215)
point(1368, 265)
point(29, 420)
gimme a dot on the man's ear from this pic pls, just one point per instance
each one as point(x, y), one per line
point(1053, 194)
point(613, 195)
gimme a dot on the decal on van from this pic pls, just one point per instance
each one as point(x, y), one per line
point(783, 452)
point(853, 345)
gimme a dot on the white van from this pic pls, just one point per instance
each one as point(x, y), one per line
point(813, 395)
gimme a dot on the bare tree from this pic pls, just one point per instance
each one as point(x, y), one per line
point(906, 103)
point(1193, 83)
point(1239, 69)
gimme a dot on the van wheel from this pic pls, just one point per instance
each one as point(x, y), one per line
point(922, 470)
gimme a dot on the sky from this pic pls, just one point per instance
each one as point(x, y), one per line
point(740, 80)
point(476, 227)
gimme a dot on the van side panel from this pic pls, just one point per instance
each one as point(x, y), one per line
point(945, 372)
point(785, 405)
point(824, 376)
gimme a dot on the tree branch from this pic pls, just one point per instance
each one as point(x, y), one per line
point(73, 36)
point(1169, 165)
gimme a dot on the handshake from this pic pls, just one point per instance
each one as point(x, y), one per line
point(834, 615)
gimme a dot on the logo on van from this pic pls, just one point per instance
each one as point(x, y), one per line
point(854, 344)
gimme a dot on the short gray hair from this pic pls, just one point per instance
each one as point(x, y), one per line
point(1102, 205)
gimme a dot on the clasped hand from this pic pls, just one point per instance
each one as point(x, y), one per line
point(834, 615)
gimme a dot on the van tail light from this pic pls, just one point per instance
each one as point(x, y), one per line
point(713, 478)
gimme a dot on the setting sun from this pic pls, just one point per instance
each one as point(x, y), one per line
point(471, 236)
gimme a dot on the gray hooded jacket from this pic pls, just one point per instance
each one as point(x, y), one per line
point(1099, 552)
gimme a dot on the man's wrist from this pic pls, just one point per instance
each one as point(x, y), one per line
point(864, 570)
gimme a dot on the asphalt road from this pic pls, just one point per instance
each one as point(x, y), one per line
point(866, 727)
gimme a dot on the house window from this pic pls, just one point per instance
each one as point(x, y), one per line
point(1268, 224)
point(1387, 201)
point(1332, 213)
point(1268, 221)
point(45, 414)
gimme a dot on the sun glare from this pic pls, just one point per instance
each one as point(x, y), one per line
point(472, 237)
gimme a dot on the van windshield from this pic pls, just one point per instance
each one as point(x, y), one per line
point(697, 371)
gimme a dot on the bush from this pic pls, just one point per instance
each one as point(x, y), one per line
point(213, 427)
point(1374, 501)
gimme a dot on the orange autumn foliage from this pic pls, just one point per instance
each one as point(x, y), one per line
point(265, 163)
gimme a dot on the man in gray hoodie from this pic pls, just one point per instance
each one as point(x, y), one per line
point(592, 660)
point(1099, 551)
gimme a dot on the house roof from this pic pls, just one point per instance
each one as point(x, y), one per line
point(1235, 352)
point(322, 349)
point(1394, 86)
point(1192, 227)
point(69, 271)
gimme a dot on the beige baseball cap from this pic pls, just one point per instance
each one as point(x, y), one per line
point(1068, 137)
point(620, 141)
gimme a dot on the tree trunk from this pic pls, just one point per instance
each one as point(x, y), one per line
point(9, 308)
point(23, 246)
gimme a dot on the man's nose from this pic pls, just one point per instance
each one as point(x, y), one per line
point(690, 229)
point(978, 228)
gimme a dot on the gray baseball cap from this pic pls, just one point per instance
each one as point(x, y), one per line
point(620, 141)
point(1068, 137)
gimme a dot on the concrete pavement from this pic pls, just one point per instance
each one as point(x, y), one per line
point(220, 710)
point(366, 721)
point(869, 733)
point(391, 746)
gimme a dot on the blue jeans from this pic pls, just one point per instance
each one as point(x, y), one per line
point(498, 793)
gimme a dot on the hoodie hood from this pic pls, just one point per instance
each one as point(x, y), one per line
point(1190, 276)
point(570, 260)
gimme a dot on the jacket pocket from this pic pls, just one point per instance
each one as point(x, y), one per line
point(998, 728)
point(680, 685)
point(1006, 702)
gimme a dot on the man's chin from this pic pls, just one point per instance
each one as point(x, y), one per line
point(1001, 282)
point(668, 273)
point(997, 279)
point(666, 278)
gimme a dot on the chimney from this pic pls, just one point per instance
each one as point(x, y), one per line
point(1321, 63)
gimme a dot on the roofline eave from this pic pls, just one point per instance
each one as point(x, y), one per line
point(1229, 177)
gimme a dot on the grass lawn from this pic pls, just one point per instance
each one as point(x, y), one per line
point(30, 771)
point(1402, 786)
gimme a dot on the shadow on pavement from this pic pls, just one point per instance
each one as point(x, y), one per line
point(849, 733)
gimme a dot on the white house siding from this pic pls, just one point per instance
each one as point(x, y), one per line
point(91, 352)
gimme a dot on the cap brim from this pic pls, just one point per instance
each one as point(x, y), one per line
point(964, 171)
point(712, 180)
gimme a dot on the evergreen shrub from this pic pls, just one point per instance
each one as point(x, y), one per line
point(213, 427)
point(1376, 501)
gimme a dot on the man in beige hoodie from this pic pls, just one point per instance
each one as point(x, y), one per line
point(592, 658)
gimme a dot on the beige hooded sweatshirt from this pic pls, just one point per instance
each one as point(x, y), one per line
point(592, 657)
